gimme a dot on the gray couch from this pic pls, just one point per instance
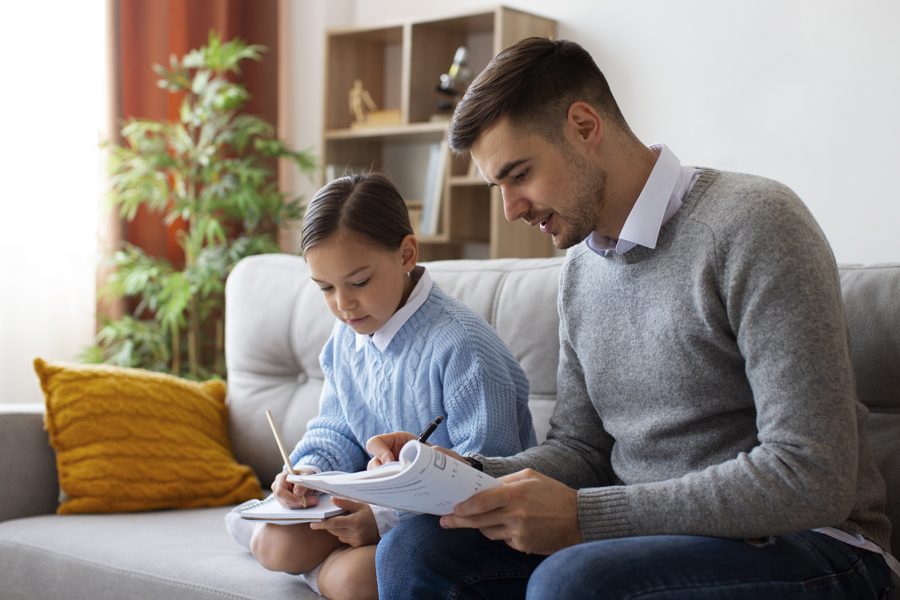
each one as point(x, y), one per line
point(276, 323)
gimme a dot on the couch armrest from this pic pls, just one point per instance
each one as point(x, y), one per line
point(28, 482)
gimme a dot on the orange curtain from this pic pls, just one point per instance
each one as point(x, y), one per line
point(147, 32)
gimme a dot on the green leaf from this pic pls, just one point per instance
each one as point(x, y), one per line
point(210, 173)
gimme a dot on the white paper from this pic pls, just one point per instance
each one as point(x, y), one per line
point(423, 481)
point(272, 511)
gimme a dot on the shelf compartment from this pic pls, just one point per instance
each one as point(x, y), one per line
point(434, 45)
point(468, 213)
point(375, 57)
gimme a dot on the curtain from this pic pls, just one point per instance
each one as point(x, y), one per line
point(148, 32)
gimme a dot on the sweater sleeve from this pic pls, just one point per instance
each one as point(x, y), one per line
point(781, 293)
point(329, 444)
point(485, 396)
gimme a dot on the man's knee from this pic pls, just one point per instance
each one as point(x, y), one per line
point(403, 547)
point(557, 577)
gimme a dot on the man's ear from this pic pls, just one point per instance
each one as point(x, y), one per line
point(409, 252)
point(585, 123)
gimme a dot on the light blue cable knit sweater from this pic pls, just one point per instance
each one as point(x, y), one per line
point(445, 360)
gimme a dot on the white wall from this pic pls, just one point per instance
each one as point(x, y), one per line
point(301, 111)
point(803, 91)
point(54, 107)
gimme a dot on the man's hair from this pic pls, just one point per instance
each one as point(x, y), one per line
point(533, 82)
point(366, 203)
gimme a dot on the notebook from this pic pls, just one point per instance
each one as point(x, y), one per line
point(272, 511)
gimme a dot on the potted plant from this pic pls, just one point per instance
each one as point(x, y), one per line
point(210, 171)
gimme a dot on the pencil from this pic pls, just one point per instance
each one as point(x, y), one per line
point(284, 455)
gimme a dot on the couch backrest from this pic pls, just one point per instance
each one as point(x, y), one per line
point(276, 322)
point(872, 304)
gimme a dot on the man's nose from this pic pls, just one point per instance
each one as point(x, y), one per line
point(515, 205)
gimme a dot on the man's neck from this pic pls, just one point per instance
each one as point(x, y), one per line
point(627, 174)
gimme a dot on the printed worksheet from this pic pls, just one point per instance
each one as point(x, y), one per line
point(422, 481)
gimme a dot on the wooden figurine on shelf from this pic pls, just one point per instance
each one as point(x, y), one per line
point(360, 102)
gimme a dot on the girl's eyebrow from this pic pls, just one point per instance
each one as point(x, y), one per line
point(347, 276)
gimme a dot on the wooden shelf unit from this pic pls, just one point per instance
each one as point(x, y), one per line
point(400, 65)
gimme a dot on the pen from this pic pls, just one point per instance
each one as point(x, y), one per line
point(423, 437)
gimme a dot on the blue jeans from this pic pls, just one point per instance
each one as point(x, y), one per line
point(419, 560)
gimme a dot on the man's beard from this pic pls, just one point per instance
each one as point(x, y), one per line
point(587, 201)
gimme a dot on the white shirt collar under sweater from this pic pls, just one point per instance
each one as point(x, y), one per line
point(417, 297)
point(660, 199)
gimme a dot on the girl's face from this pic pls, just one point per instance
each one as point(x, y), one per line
point(364, 284)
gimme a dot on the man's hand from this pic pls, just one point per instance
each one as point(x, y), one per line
point(386, 447)
point(293, 495)
point(531, 512)
point(357, 528)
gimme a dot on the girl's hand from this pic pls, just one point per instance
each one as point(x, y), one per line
point(386, 447)
point(293, 495)
point(356, 528)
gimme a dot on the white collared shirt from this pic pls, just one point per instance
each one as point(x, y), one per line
point(658, 202)
point(417, 297)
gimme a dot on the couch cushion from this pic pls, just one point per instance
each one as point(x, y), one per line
point(130, 439)
point(872, 304)
point(276, 323)
point(165, 554)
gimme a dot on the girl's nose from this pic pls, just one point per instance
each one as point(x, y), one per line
point(345, 301)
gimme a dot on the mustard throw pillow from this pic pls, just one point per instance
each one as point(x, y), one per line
point(134, 440)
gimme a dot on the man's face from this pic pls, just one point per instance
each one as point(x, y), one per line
point(546, 184)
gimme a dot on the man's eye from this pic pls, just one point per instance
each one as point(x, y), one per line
point(521, 176)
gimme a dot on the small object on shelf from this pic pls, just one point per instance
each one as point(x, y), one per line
point(379, 118)
point(360, 102)
point(415, 216)
point(455, 81)
point(438, 155)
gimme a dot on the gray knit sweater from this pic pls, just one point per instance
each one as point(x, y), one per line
point(705, 387)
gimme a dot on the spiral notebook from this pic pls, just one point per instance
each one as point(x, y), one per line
point(272, 511)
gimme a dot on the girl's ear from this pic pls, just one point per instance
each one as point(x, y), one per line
point(409, 252)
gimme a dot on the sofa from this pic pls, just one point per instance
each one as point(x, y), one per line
point(276, 322)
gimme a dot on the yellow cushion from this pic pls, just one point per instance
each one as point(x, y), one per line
point(134, 440)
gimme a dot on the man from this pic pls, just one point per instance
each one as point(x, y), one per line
point(707, 439)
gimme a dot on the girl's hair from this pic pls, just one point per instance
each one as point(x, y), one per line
point(365, 203)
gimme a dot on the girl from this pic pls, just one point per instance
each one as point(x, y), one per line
point(401, 353)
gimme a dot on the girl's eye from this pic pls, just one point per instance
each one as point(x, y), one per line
point(326, 288)
point(360, 284)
